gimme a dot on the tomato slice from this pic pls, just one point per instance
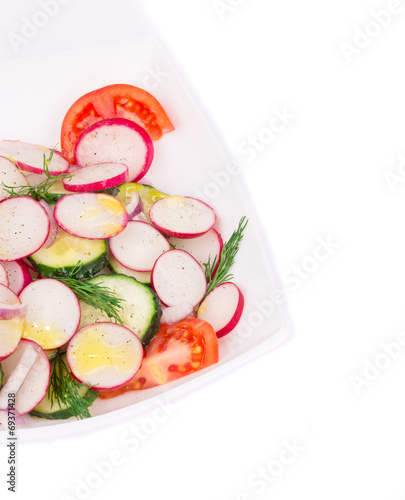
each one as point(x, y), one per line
point(113, 101)
point(176, 351)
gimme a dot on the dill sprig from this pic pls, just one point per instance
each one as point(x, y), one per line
point(41, 190)
point(64, 390)
point(228, 254)
point(95, 295)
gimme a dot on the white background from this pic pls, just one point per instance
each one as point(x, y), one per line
point(324, 178)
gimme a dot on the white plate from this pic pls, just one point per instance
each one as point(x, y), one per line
point(34, 97)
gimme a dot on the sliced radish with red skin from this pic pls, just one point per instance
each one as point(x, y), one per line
point(176, 313)
point(32, 272)
point(10, 329)
point(30, 157)
point(32, 381)
point(116, 140)
point(3, 276)
point(11, 333)
point(24, 227)
point(18, 275)
point(182, 216)
point(7, 296)
point(9, 176)
point(96, 177)
point(141, 276)
point(135, 205)
point(53, 226)
point(177, 278)
point(222, 308)
point(34, 179)
point(91, 215)
point(202, 248)
point(53, 313)
point(104, 355)
point(138, 246)
point(19, 373)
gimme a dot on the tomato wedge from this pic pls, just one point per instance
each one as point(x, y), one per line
point(176, 351)
point(113, 101)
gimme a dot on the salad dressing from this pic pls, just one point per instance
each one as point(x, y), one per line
point(106, 210)
point(95, 355)
point(48, 336)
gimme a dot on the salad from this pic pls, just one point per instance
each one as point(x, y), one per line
point(106, 283)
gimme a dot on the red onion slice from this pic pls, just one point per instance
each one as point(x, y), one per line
point(135, 206)
point(53, 226)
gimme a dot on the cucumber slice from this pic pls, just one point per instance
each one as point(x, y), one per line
point(113, 191)
point(148, 194)
point(47, 411)
point(60, 258)
point(141, 310)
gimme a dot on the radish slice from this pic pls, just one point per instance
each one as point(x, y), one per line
point(53, 314)
point(141, 276)
point(10, 329)
point(18, 275)
point(9, 176)
point(32, 272)
point(3, 276)
point(134, 206)
point(24, 227)
point(35, 179)
point(176, 313)
point(104, 355)
point(11, 333)
point(7, 296)
point(33, 381)
point(30, 157)
point(202, 248)
point(96, 177)
point(182, 216)
point(177, 277)
point(53, 227)
point(222, 308)
point(19, 374)
point(138, 246)
point(91, 215)
point(116, 140)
